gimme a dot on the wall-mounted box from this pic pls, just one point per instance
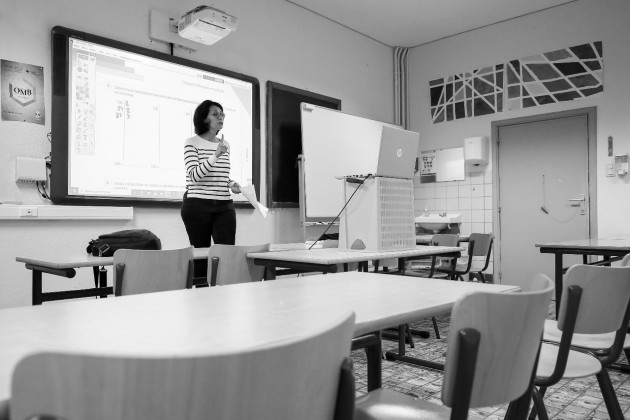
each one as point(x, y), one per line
point(30, 169)
point(476, 150)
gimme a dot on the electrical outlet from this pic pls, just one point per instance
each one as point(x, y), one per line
point(610, 169)
point(28, 211)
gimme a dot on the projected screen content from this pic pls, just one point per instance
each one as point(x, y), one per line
point(128, 114)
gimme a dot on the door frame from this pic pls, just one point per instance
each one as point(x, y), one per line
point(591, 120)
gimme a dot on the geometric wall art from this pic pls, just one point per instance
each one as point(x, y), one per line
point(557, 76)
point(465, 95)
point(563, 75)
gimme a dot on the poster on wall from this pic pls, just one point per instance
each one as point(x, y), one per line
point(22, 94)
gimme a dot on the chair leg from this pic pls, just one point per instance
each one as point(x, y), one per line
point(539, 408)
point(610, 397)
point(409, 336)
point(435, 328)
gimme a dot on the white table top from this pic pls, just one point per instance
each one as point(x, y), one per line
point(221, 319)
point(620, 243)
point(425, 238)
point(284, 252)
point(336, 256)
point(61, 260)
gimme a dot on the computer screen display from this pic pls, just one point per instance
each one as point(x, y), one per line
point(121, 114)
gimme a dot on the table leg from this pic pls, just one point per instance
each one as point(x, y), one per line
point(373, 350)
point(270, 272)
point(402, 357)
point(37, 287)
point(102, 280)
point(558, 280)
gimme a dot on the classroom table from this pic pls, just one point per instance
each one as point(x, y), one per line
point(425, 238)
point(221, 319)
point(327, 260)
point(611, 249)
point(64, 264)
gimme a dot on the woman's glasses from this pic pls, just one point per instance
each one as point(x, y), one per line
point(217, 114)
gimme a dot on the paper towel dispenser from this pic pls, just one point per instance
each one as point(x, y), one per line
point(476, 150)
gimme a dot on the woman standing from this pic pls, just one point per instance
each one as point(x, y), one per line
point(207, 210)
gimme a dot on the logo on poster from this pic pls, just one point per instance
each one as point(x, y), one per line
point(23, 94)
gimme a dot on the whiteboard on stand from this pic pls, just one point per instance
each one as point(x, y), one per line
point(334, 144)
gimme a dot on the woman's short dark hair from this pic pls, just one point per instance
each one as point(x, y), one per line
point(201, 113)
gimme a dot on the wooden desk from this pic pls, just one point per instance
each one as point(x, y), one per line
point(65, 265)
point(611, 249)
point(326, 260)
point(222, 319)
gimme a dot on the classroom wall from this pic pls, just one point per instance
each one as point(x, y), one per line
point(560, 27)
point(275, 40)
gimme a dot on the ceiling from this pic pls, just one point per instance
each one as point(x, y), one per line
point(409, 23)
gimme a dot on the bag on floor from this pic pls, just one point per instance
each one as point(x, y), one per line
point(107, 244)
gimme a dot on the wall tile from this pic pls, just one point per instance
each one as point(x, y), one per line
point(465, 203)
point(465, 191)
point(477, 190)
point(465, 228)
point(452, 205)
point(477, 216)
point(478, 228)
point(452, 191)
point(440, 191)
point(488, 216)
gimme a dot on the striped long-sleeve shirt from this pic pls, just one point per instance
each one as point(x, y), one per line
point(206, 176)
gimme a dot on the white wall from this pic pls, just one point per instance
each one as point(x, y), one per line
point(275, 41)
point(564, 26)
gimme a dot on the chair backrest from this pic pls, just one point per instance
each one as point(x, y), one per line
point(510, 326)
point(232, 265)
point(445, 239)
point(145, 271)
point(483, 244)
point(292, 379)
point(625, 260)
point(604, 300)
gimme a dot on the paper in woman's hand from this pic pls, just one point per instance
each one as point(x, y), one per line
point(250, 193)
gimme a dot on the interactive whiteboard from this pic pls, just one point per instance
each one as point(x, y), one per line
point(334, 144)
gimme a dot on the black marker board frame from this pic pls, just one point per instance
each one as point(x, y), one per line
point(284, 140)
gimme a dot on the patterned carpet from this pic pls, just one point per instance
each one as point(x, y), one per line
point(576, 399)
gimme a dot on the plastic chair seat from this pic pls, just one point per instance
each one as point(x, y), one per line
point(579, 364)
point(586, 341)
point(385, 404)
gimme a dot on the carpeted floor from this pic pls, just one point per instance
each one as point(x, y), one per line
point(576, 399)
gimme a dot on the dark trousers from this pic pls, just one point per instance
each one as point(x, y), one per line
point(206, 222)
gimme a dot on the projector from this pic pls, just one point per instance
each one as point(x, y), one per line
point(206, 25)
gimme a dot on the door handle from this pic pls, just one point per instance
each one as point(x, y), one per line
point(579, 202)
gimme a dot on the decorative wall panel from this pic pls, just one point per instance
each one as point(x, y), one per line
point(470, 94)
point(557, 76)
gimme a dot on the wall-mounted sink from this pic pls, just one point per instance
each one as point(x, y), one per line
point(437, 223)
